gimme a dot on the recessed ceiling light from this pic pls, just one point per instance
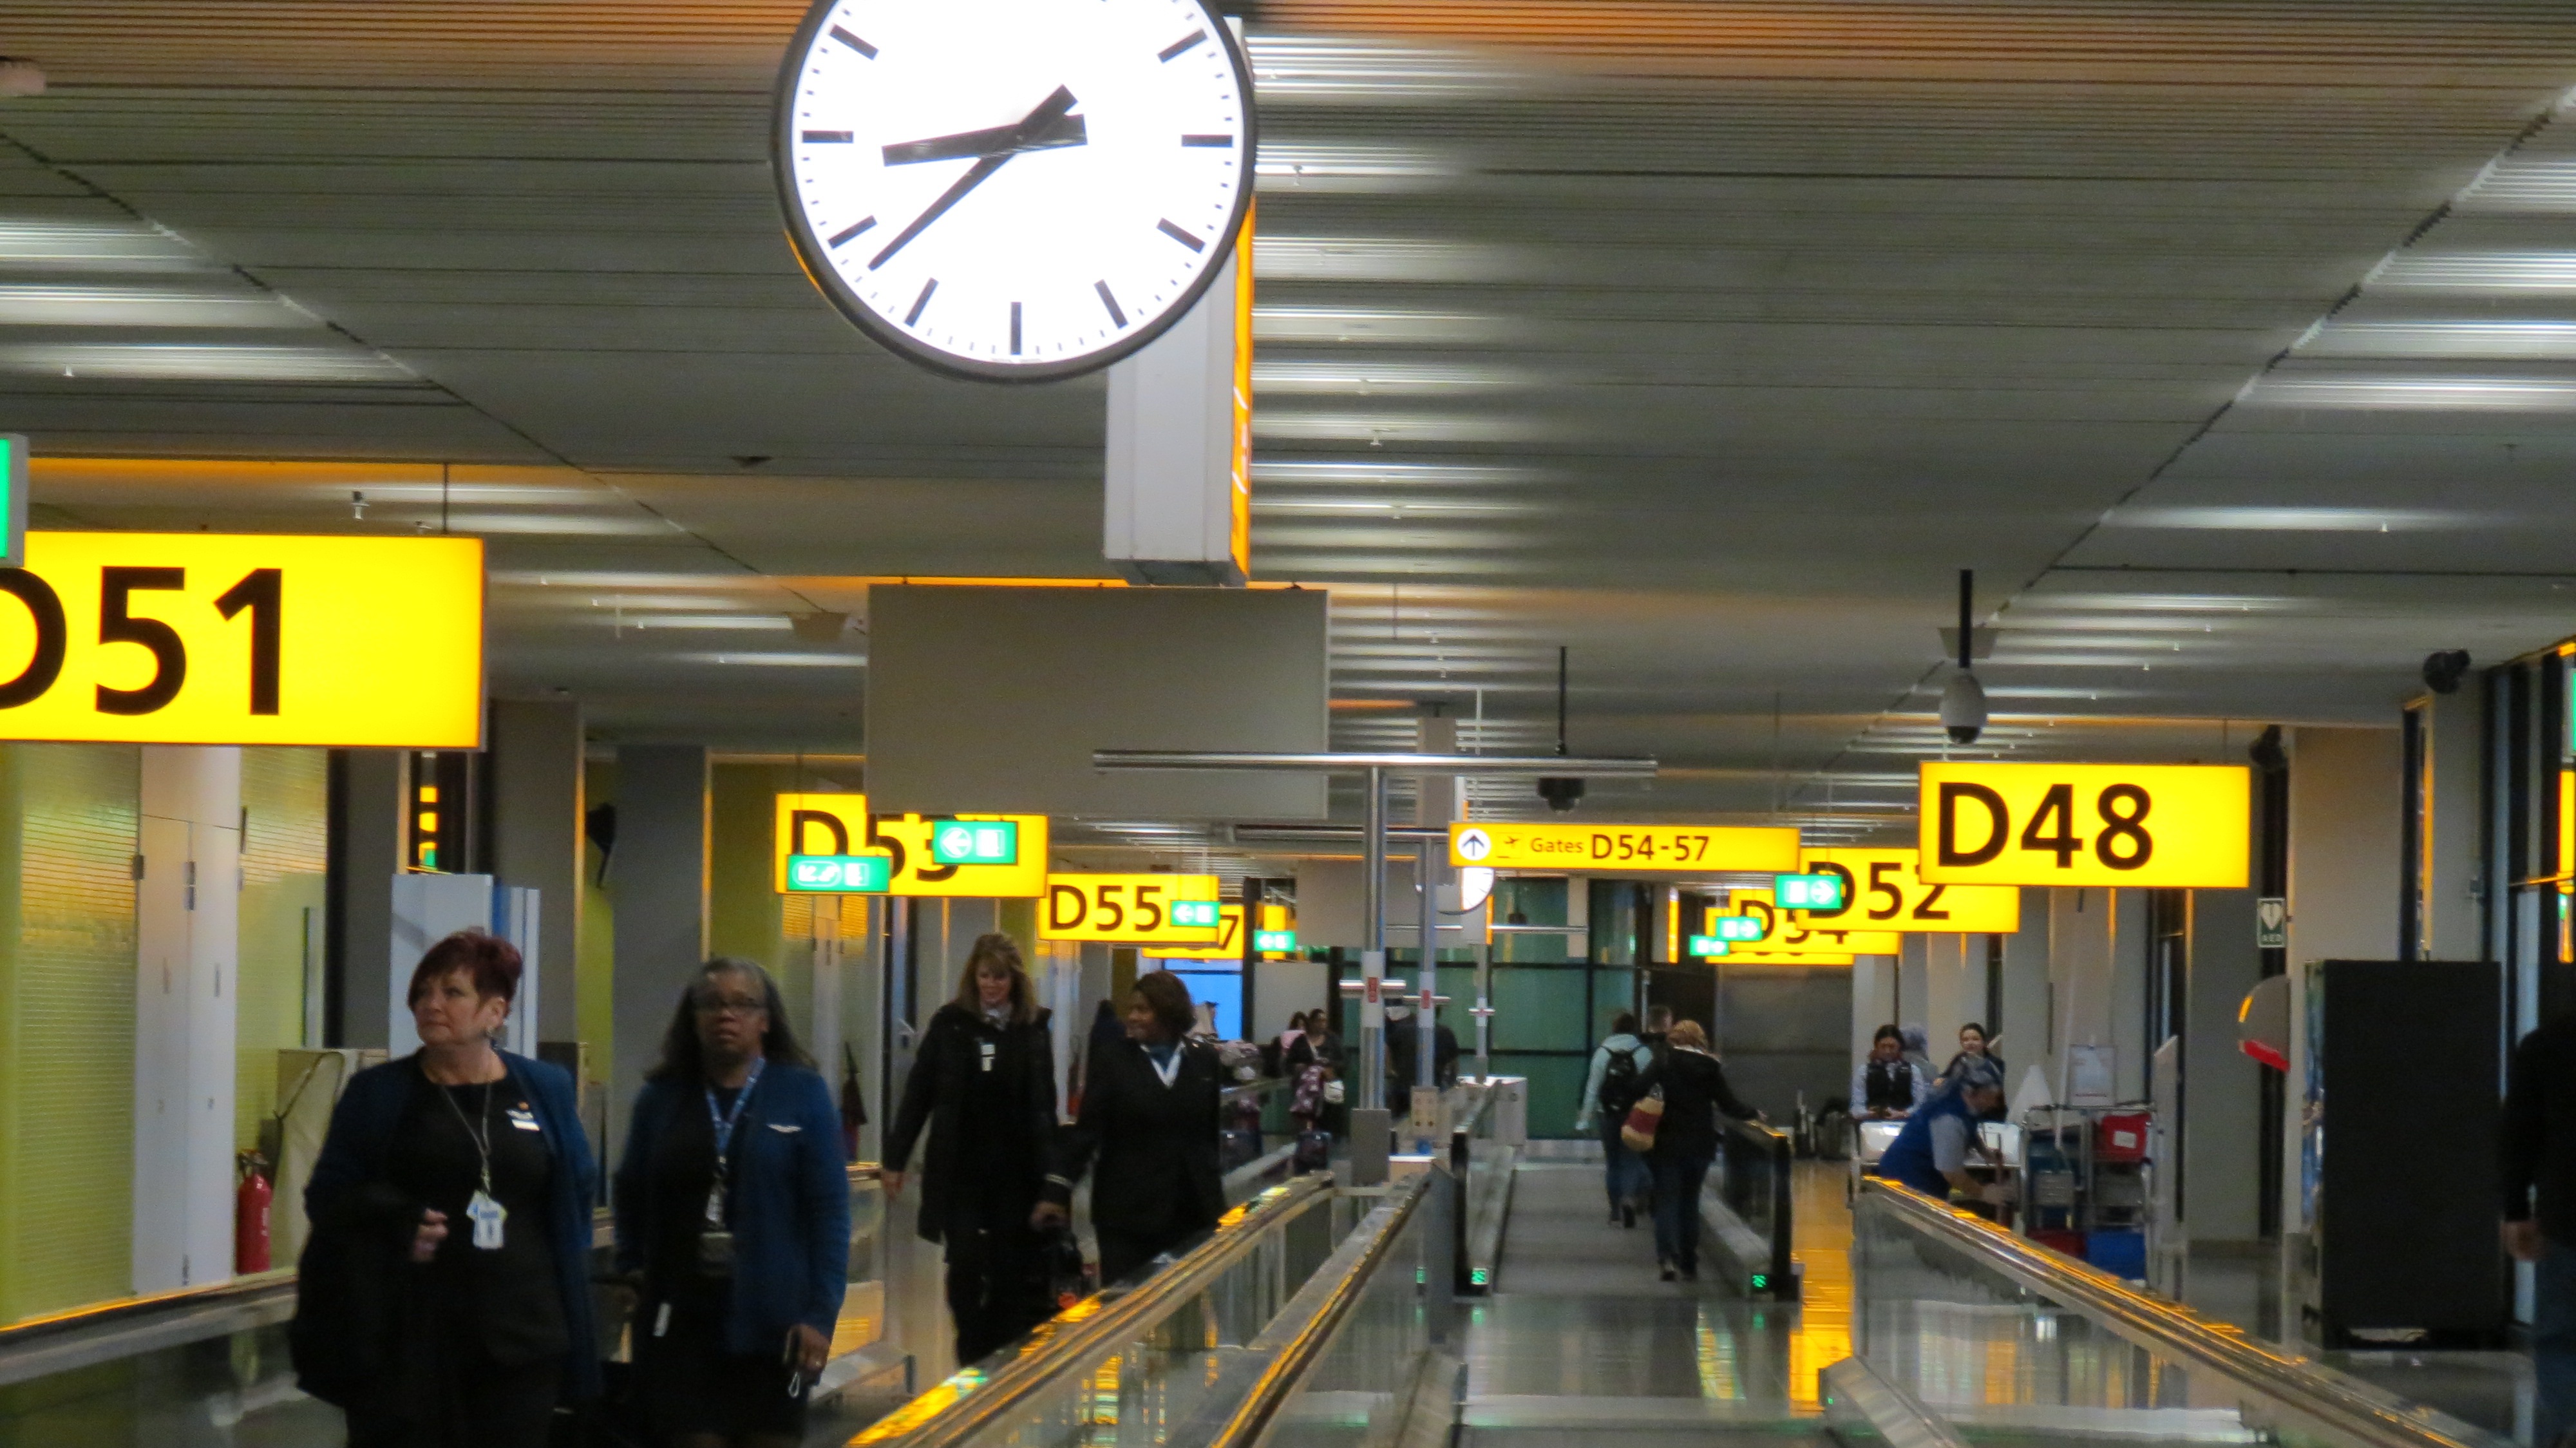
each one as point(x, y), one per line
point(2538, 341)
point(2295, 520)
point(41, 304)
point(2474, 394)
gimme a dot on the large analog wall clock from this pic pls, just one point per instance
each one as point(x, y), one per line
point(1014, 189)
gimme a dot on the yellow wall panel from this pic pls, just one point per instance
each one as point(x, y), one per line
point(67, 841)
point(286, 810)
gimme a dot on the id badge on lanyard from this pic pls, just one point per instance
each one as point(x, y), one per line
point(715, 1234)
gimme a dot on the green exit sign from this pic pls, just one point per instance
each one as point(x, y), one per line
point(1274, 940)
point(1196, 914)
point(1738, 927)
point(975, 842)
point(1807, 892)
point(13, 508)
point(1707, 945)
point(840, 874)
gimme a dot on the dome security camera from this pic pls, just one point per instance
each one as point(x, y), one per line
point(1561, 794)
point(2444, 670)
point(1963, 708)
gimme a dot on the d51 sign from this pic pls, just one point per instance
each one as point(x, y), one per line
point(2161, 826)
point(212, 638)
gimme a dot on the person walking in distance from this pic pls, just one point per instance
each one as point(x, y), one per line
point(443, 1299)
point(1695, 1091)
point(983, 1082)
point(1609, 1093)
point(1149, 1120)
point(732, 1206)
point(2539, 1181)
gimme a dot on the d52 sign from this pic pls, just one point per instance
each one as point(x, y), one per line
point(212, 638)
point(1885, 893)
point(2163, 826)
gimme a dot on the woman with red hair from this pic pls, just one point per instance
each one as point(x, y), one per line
point(444, 1295)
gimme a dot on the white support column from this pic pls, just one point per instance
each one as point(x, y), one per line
point(1178, 498)
point(2452, 909)
point(187, 943)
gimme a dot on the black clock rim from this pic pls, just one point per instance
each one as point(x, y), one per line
point(813, 259)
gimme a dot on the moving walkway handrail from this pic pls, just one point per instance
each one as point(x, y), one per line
point(1297, 1338)
point(2159, 1323)
point(1773, 1146)
point(963, 1406)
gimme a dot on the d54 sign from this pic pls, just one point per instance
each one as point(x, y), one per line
point(212, 638)
point(2163, 826)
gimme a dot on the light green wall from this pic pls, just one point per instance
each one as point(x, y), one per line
point(67, 843)
point(285, 846)
point(746, 916)
point(593, 999)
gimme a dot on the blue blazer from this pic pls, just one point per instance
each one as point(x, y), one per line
point(354, 1154)
point(791, 1202)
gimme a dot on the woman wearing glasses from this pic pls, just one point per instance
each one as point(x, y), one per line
point(733, 1203)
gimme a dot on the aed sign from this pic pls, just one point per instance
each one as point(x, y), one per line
point(913, 843)
point(837, 874)
point(1124, 909)
point(815, 839)
point(215, 638)
point(1228, 944)
point(2173, 826)
point(1881, 891)
point(1623, 849)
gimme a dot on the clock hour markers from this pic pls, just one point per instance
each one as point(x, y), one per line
point(1219, 142)
point(813, 138)
point(854, 43)
point(921, 301)
point(1110, 302)
point(1015, 329)
point(1180, 45)
point(1183, 237)
point(845, 233)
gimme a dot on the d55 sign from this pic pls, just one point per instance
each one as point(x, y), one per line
point(1128, 909)
point(212, 638)
point(2162, 826)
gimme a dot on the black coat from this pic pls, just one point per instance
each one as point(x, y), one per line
point(937, 1094)
point(1695, 1090)
point(1155, 1145)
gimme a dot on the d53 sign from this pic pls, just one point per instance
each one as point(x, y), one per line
point(2164, 826)
point(211, 638)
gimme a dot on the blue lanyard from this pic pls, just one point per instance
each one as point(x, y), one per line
point(723, 1122)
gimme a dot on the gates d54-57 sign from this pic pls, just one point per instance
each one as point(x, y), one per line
point(2161, 826)
point(216, 638)
point(1623, 849)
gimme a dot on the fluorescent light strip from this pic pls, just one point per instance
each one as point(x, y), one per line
point(1280, 425)
point(188, 362)
point(2465, 394)
point(1386, 325)
point(1389, 259)
point(2479, 271)
point(1346, 169)
point(779, 661)
point(32, 243)
point(44, 305)
point(1327, 70)
point(2295, 520)
point(2531, 340)
point(1396, 379)
point(1267, 472)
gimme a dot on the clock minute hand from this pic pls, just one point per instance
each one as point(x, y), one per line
point(1043, 123)
point(991, 141)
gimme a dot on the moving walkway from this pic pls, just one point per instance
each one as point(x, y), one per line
point(1323, 1314)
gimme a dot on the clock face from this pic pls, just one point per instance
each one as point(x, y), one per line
point(1014, 189)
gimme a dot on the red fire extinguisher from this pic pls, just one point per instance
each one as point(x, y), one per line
point(250, 1215)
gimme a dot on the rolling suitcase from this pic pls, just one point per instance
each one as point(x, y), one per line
point(1314, 1151)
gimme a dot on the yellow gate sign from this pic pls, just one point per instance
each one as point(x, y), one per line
point(217, 638)
point(1622, 849)
point(2166, 826)
point(1881, 891)
point(1128, 909)
point(1760, 927)
point(1228, 944)
point(817, 844)
point(914, 841)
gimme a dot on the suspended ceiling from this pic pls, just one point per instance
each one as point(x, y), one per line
point(2231, 343)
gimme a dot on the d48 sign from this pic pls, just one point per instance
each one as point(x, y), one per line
point(198, 638)
point(2085, 824)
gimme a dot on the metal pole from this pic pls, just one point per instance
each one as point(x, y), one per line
point(1484, 1009)
point(1426, 876)
point(1373, 955)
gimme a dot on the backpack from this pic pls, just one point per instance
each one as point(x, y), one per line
point(1619, 1091)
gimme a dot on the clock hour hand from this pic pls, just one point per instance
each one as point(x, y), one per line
point(1049, 120)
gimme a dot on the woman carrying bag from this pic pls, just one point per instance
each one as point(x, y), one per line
point(1149, 1118)
point(1676, 1120)
point(443, 1300)
point(983, 1082)
point(733, 1207)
